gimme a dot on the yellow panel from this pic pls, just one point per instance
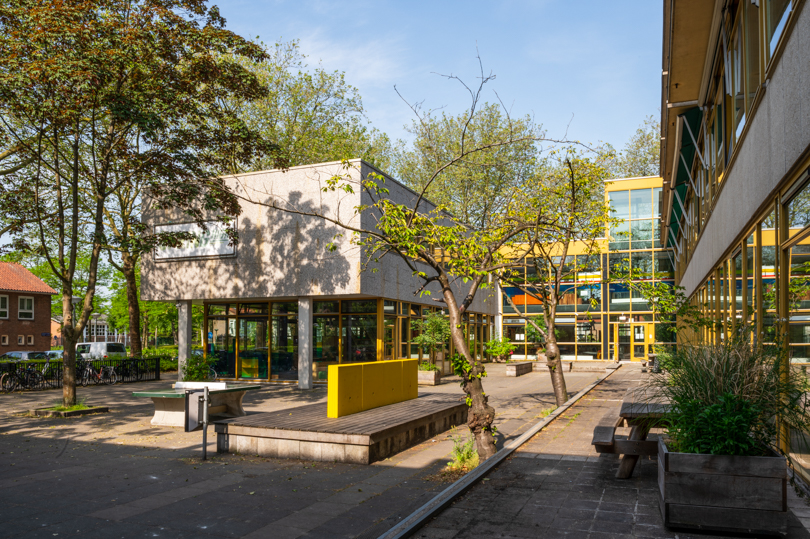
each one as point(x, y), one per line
point(624, 184)
point(355, 387)
point(345, 390)
point(410, 389)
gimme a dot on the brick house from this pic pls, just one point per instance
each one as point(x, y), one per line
point(25, 310)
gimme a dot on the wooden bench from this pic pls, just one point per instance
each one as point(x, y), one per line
point(518, 369)
point(170, 405)
point(639, 414)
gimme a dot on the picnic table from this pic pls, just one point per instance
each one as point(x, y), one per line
point(640, 410)
point(170, 404)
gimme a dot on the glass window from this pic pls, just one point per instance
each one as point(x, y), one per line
point(389, 307)
point(359, 338)
point(288, 307)
point(619, 297)
point(568, 299)
point(327, 307)
point(364, 306)
point(620, 236)
point(641, 234)
point(642, 265)
point(217, 310)
point(798, 211)
point(657, 201)
point(325, 343)
point(620, 204)
point(565, 332)
point(752, 50)
point(253, 348)
point(776, 18)
point(663, 266)
point(284, 348)
point(26, 308)
point(222, 346)
point(737, 84)
point(253, 308)
point(3, 306)
point(641, 204)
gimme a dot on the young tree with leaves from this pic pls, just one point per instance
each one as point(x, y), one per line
point(448, 256)
point(569, 194)
point(95, 94)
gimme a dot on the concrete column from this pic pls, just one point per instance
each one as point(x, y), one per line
point(183, 336)
point(305, 343)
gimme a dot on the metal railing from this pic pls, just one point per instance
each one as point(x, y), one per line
point(130, 369)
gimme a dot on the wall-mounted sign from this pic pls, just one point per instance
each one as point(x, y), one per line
point(212, 243)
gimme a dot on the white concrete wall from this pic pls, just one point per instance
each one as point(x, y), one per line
point(778, 135)
point(281, 255)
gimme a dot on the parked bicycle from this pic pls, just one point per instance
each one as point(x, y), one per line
point(22, 378)
point(89, 373)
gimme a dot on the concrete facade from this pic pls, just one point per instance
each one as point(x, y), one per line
point(776, 140)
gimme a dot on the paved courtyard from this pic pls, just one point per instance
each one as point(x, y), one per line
point(556, 486)
point(115, 475)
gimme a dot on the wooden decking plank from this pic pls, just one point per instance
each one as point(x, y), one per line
point(312, 417)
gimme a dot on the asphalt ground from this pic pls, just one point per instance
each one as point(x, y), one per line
point(116, 475)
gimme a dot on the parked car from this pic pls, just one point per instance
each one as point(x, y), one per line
point(100, 350)
point(22, 356)
point(55, 354)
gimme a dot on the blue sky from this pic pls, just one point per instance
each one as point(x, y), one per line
point(592, 68)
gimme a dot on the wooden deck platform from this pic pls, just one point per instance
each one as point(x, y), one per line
point(362, 438)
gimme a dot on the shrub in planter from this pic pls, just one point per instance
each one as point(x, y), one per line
point(500, 349)
point(719, 467)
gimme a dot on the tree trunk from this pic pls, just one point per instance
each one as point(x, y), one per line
point(555, 368)
point(69, 340)
point(480, 414)
point(133, 307)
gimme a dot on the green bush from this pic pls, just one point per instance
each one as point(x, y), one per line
point(725, 399)
point(500, 348)
point(426, 366)
point(197, 369)
point(722, 428)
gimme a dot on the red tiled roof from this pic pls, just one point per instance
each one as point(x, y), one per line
point(16, 278)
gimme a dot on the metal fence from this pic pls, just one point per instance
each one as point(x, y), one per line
point(130, 369)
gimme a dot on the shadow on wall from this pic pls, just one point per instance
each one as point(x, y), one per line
point(291, 255)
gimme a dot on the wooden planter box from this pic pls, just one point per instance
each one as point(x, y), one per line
point(722, 493)
point(428, 378)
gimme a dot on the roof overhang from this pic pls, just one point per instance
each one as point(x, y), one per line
point(690, 33)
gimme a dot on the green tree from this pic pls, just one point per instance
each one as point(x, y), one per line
point(432, 332)
point(443, 252)
point(313, 115)
point(642, 154)
point(97, 94)
point(569, 195)
point(481, 186)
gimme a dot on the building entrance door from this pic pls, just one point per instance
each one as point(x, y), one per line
point(641, 341)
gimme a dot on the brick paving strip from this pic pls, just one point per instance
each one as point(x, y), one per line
point(555, 485)
point(115, 475)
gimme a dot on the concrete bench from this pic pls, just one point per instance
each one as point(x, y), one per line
point(170, 405)
point(518, 369)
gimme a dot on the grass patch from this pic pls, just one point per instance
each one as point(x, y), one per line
point(545, 413)
point(80, 405)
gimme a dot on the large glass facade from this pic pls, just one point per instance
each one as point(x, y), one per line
point(599, 316)
point(259, 340)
